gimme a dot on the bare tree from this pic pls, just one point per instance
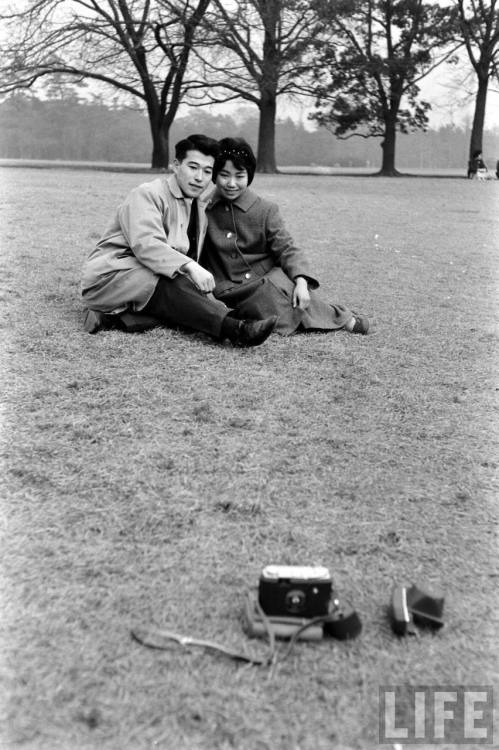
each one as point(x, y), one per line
point(256, 50)
point(479, 28)
point(372, 56)
point(140, 47)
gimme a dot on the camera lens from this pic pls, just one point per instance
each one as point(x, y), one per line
point(295, 601)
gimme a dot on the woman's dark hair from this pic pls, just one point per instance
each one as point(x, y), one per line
point(196, 142)
point(239, 152)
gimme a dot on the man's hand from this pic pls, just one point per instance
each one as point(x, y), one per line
point(301, 295)
point(200, 277)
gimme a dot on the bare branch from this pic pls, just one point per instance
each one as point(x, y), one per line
point(115, 42)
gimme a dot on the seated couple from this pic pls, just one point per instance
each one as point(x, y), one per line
point(225, 266)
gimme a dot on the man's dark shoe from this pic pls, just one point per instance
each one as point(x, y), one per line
point(92, 321)
point(253, 332)
point(95, 321)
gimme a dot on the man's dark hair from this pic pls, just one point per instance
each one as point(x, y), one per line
point(239, 152)
point(196, 142)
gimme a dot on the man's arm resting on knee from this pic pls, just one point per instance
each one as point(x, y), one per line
point(200, 277)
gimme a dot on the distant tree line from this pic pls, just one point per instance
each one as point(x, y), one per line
point(69, 129)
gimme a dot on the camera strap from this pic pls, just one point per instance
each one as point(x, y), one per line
point(161, 639)
point(158, 638)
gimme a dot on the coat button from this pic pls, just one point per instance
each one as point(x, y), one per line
point(247, 275)
point(228, 235)
point(227, 208)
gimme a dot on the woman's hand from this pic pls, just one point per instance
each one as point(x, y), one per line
point(301, 295)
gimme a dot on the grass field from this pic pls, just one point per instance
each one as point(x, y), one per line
point(147, 479)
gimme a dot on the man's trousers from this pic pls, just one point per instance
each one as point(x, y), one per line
point(177, 302)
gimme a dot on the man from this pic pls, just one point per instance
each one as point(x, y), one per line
point(145, 269)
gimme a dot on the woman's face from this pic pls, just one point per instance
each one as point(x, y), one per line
point(231, 182)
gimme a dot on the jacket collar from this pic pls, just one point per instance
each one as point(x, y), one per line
point(177, 193)
point(244, 202)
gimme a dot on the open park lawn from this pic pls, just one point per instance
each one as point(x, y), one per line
point(147, 479)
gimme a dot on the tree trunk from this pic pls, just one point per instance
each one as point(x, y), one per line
point(159, 127)
point(160, 146)
point(479, 115)
point(388, 146)
point(266, 135)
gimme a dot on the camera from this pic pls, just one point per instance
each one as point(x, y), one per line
point(295, 591)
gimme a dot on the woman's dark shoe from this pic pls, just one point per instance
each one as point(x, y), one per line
point(358, 324)
point(253, 332)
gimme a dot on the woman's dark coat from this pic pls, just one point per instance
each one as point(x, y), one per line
point(255, 263)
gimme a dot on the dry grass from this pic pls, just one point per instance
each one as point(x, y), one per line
point(148, 478)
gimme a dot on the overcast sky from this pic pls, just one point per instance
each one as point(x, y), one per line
point(452, 99)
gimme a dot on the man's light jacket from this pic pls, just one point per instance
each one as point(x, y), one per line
point(146, 238)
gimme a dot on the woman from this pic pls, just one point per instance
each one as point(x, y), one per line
point(258, 269)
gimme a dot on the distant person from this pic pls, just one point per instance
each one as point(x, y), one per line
point(145, 271)
point(477, 167)
point(258, 269)
point(497, 169)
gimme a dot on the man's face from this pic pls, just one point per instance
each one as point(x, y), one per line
point(231, 181)
point(193, 173)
